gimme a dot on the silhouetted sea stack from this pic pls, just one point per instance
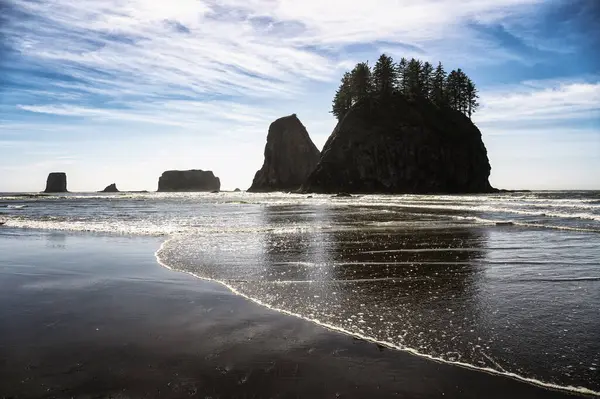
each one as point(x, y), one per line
point(189, 180)
point(404, 146)
point(110, 189)
point(56, 183)
point(290, 156)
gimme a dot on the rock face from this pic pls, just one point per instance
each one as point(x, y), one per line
point(110, 189)
point(188, 180)
point(290, 156)
point(56, 183)
point(406, 146)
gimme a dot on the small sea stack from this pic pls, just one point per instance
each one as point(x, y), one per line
point(56, 183)
point(112, 188)
point(290, 156)
point(189, 180)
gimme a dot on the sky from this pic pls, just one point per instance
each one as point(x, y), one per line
point(122, 90)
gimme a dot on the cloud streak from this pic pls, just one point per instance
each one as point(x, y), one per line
point(534, 101)
point(240, 49)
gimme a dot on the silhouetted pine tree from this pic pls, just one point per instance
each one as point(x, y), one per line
point(472, 96)
point(438, 82)
point(427, 80)
point(462, 91)
point(410, 78)
point(452, 90)
point(385, 76)
point(343, 97)
point(413, 78)
point(361, 82)
point(402, 80)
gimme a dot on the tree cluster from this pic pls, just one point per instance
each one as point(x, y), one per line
point(412, 78)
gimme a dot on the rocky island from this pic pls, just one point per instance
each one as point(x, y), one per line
point(188, 180)
point(290, 156)
point(110, 189)
point(396, 136)
point(56, 183)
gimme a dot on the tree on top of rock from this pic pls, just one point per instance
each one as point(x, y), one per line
point(427, 80)
point(413, 79)
point(438, 82)
point(402, 81)
point(472, 96)
point(361, 82)
point(385, 76)
point(343, 97)
point(461, 93)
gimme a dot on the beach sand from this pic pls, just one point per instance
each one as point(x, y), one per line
point(85, 315)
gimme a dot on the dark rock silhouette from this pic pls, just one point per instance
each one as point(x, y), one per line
point(237, 190)
point(290, 156)
point(505, 224)
point(402, 146)
point(56, 183)
point(188, 180)
point(110, 189)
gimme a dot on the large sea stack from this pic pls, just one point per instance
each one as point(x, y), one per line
point(111, 189)
point(189, 180)
point(404, 146)
point(290, 156)
point(56, 183)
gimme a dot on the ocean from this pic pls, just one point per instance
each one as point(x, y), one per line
point(508, 283)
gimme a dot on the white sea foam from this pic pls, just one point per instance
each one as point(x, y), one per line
point(95, 227)
point(366, 337)
point(489, 209)
point(539, 225)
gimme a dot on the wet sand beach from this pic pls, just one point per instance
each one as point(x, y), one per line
point(87, 315)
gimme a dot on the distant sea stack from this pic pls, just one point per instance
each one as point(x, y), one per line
point(110, 189)
point(56, 183)
point(404, 146)
point(189, 180)
point(290, 156)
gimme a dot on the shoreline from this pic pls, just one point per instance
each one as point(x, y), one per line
point(411, 351)
point(365, 366)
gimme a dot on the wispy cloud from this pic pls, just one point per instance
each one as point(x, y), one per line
point(138, 50)
point(546, 100)
point(174, 113)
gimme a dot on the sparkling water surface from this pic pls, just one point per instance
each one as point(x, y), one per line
point(507, 282)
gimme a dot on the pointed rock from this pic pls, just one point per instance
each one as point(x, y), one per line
point(290, 156)
point(110, 189)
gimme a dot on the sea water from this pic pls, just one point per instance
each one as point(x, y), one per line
point(508, 283)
